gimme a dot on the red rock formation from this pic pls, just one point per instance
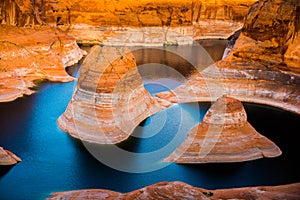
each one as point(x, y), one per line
point(224, 135)
point(179, 190)
point(197, 19)
point(27, 55)
point(92, 21)
point(110, 99)
point(263, 66)
point(8, 158)
point(269, 37)
point(121, 12)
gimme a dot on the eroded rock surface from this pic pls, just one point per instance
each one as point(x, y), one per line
point(28, 55)
point(94, 21)
point(8, 158)
point(179, 190)
point(224, 135)
point(263, 66)
point(110, 99)
point(121, 12)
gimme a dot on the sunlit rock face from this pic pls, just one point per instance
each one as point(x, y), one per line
point(28, 55)
point(110, 99)
point(95, 21)
point(263, 66)
point(178, 190)
point(224, 135)
point(8, 158)
point(270, 36)
point(121, 12)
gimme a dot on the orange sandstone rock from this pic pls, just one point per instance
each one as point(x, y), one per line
point(263, 66)
point(8, 158)
point(122, 12)
point(94, 21)
point(178, 190)
point(27, 55)
point(110, 99)
point(224, 135)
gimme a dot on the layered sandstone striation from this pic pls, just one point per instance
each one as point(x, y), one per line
point(263, 67)
point(179, 190)
point(94, 21)
point(8, 158)
point(224, 135)
point(110, 99)
point(196, 19)
point(28, 55)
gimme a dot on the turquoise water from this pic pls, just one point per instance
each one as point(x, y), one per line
point(53, 161)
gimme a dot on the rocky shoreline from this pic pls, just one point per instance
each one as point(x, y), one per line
point(179, 190)
point(28, 55)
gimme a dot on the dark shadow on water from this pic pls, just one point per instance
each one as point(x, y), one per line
point(145, 122)
point(215, 168)
point(131, 144)
point(5, 169)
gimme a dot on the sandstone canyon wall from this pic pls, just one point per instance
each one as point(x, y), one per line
point(263, 67)
point(93, 21)
point(28, 55)
point(121, 13)
point(42, 51)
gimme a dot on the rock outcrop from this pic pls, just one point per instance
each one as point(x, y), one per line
point(110, 99)
point(196, 19)
point(179, 190)
point(94, 21)
point(224, 135)
point(28, 55)
point(263, 67)
point(8, 158)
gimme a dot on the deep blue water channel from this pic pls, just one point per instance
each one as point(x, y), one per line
point(53, 161)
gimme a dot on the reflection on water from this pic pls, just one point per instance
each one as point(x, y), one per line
point(52, 161)
point(165, 68)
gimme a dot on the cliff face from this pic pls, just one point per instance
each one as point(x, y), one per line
point(121, 12)
point(8, 158)
point(224, 135)
point(110, 99)
point(28, 55)
point(271, 35)
point(93, 21)
point(179, 190)
point(263, 66)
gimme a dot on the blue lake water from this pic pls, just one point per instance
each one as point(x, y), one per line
point(53, 161)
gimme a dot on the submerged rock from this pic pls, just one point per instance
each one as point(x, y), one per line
point(179, 190)
point(224, 135)
point(110, 99)
point(8, 158)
